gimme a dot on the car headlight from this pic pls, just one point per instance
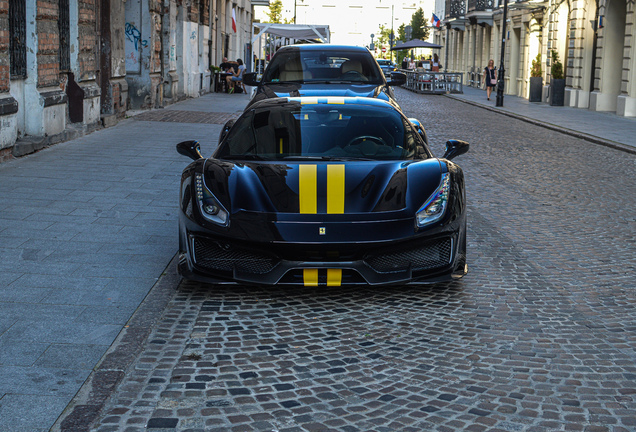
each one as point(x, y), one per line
point(435, 206)
point(210, 207)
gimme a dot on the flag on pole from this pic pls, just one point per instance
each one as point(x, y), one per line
point(436, 21)
point(234, 19)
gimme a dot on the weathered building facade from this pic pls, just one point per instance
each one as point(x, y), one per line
point(47, 70)
point(593, 39)
point(70, 66)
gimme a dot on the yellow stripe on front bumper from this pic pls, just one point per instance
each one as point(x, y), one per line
point(308, 188)
point(335, 188)
point(310, 277)
point(334, 277)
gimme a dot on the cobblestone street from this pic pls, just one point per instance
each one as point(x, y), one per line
point(539, 336)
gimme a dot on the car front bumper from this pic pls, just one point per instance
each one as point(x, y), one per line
point(437, 256)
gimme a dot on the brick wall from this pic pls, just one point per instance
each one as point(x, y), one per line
point(4, 46)
point(87, 40)
point(199, 11)
point(48, 43)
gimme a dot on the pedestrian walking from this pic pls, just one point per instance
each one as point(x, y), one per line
point(490, 77)
point(435, 65)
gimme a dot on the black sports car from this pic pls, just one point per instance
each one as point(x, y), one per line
point(322, 191)
point(323, 70)
point(387, 66)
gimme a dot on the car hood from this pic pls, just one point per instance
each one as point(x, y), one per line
point(319, 187)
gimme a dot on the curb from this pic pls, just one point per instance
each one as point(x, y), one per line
point(590, 138)
point(89, 402)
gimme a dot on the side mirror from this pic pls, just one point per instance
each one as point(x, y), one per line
point(191, 148)
point(397, 79)
point(455, 148)
point(250, 79)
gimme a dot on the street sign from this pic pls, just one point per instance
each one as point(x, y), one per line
point(383, 49)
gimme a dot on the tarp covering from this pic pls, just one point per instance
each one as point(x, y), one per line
point(415, 43)
point(295, 31)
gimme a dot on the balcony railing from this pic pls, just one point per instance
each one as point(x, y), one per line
point(480, 5)
point(455, 8)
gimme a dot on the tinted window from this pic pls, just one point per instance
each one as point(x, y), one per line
point(322, 131)
point(321, 66)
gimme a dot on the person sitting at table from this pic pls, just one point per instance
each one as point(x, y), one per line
point(236, 76)
point(225, 65)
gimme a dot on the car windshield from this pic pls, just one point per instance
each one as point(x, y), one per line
point(306, 66)
point(295, 131)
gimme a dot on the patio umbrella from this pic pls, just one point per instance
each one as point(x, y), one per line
point(415, 43)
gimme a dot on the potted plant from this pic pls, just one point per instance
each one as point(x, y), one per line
point(557, 81)
point(536, 80)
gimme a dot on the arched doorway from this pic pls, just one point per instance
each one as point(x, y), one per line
point(612, 42)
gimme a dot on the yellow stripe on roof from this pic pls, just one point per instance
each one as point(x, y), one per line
point(336, 101)
point(309, 101)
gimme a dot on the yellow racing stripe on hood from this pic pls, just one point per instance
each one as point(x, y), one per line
point(308, 188)
point(335, 188)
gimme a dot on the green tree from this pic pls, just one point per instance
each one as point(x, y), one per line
point(419, 25)
point(383, 36)
point(275, 14)
point(401, 34)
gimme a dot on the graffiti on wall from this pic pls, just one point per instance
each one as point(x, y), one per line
point(134, 35)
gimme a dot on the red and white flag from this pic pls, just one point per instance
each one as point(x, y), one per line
point(234, 19)
point(436, 21)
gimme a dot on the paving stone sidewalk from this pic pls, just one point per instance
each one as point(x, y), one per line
point(86, 229)
point(600, 127)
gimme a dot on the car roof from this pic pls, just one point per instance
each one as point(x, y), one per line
point(325, 100)
point(323, 47)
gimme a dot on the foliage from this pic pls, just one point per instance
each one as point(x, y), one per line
point(556, 70)
point(275, 14)
point(419, 25)
point(383, 36)
point(536, 71)
point(401, 34)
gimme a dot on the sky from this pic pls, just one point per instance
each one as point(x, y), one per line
point(352, 21)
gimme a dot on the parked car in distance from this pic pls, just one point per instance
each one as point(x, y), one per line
point(387, 66)
point(323, 70)
point(322, 192)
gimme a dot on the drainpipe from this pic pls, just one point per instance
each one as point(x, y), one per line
point(446, 47)
point(160, 90)
point(594, 46)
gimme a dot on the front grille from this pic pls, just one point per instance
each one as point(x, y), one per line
point(425, 257)
point(219, 256)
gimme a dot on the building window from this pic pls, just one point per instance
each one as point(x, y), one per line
point(202, 7)
point(64, 26)
point(17, 38)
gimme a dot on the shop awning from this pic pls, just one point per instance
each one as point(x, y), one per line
point(293, 31)
point(415, 43)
